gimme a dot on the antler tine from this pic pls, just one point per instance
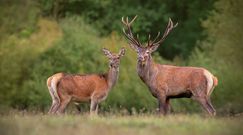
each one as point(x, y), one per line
point(137, 36)
point(169, 27)
point(129, 33)
point(149, 39)
point(129, 37)
point(133, 20)
point(123, 20)
point(155, 38)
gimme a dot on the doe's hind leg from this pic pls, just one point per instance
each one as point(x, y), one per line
point(63, 104)
point(78, 107)
point(55, 101)
point(53, 107)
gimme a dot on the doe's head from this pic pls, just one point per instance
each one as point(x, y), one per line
point(114, 59)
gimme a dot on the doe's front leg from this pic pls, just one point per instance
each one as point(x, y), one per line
point(93, 107)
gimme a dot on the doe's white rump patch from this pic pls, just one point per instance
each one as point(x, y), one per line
point(54, 88)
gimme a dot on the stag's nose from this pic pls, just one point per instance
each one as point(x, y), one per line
point(140, 58)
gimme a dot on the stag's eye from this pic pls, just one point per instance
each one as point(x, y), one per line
point(147, 52)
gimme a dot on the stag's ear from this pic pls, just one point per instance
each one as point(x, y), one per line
point(153, 48)
point(107, 52)
point(122, 52)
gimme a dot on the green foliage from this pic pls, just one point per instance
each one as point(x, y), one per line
point(153, 17)
point(18, 17)
point(17, 21)
point(222, 54)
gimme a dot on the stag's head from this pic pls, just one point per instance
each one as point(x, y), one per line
point(114, 59)
point(144, 51)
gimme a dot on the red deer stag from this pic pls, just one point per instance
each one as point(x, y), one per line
point(64, 88)
point(166, 82)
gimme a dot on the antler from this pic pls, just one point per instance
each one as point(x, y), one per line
point(129, 34)
point(169, 27)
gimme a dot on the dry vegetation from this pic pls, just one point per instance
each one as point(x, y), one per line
point(39, 124)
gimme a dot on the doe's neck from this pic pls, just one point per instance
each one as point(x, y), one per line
point(112, 77)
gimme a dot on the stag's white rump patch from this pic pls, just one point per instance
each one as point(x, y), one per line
point(209, 78)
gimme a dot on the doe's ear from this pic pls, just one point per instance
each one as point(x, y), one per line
point(122, 52)
point(107, 52)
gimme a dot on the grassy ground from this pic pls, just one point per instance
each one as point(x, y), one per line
point(38, 124)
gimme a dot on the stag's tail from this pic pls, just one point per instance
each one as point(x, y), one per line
point(215, 81)
point(212, 81)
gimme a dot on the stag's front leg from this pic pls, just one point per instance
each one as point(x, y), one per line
point(168, 106)
point(162, 105)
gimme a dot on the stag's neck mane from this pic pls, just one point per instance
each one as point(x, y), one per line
point(112, 77)
point(148, 71)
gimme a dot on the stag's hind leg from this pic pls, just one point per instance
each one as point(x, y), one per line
point(209, 104)
point(206, 104)
point(204, 100)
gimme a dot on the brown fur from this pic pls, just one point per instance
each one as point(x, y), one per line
point(64, 88)
point(56, 76)
point(166, 82)
point(81, 88)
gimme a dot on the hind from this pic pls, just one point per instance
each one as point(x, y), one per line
point(52, 86)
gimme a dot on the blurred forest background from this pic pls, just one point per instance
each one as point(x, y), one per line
point(42, 37)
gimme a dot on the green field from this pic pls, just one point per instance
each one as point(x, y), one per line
point(39, 124)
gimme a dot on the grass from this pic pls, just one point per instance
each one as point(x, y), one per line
point(39, 124)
